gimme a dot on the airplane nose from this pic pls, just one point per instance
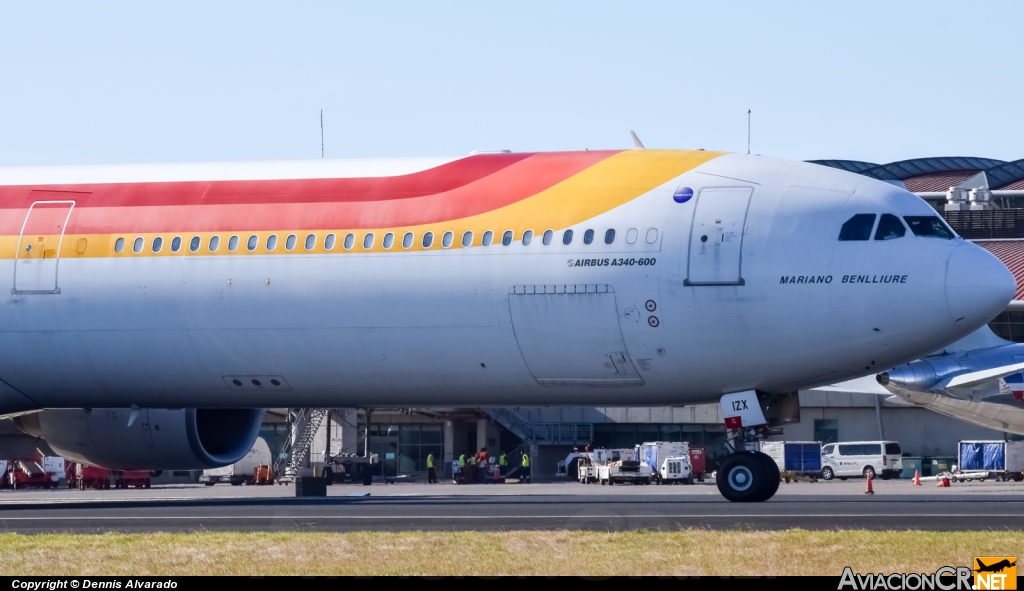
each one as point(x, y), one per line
point(978, 285)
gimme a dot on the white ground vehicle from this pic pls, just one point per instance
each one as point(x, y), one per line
point(668, 460)
point(861, 458)
point(241, 472)
point(619, 467)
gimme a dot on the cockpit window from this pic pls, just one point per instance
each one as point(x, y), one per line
point(889, 227)
point(929, 225)
point(858, 227)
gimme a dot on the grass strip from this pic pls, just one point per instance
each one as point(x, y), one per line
point(689, 552)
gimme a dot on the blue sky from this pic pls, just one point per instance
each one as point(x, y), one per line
point(130, 82)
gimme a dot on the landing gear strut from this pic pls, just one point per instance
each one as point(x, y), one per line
point(747, 475)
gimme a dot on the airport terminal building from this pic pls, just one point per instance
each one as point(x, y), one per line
point(981, 198)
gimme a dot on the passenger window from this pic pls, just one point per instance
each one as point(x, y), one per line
point(176, 244)
point(858, 227)
point(652, 236)
point(929, 225)
point(631, 235)
point(329, 242)
point(350, 241)
point(289, 242)
point(488, 238)
point(137, 246)
point(389, 240)
point(407, 240)
point(609, 236)
point(527, 237)
point(548, 235)
point(588, 237)
point(892, 449)
point(567, 237)
point(827, 450)
point(158, 243)
point(193, 245)
point(272, 242)
point(428, 240)
point(233, 243)
point(310, 242)
point(368, 241)
point(506, 238)
point(119, 245)
point(252, 243)
point(467, 240)
point(446, 239)
point(214, 243)
point(889, 227)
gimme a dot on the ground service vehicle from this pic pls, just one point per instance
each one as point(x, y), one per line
point(992, 459)
point(862, 458)
point(242, 471)
point(657, 455)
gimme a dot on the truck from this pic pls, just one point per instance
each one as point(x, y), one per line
point(29, 474)
point(698, 462)
point(1002, 460)
point(669, 461)
point(794, 458)
point(242, 471)
point(620, 466)
point(83, 476)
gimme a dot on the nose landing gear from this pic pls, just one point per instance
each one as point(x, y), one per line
point(747, 475)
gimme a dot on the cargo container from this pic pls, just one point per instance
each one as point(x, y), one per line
point(799, 457)
point(998, 458)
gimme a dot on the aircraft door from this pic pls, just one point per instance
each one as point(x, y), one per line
point(570, 335)
point(38, 254)
point(716, 236)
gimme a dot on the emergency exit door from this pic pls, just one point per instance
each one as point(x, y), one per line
point(716, 236)
point(42, 232)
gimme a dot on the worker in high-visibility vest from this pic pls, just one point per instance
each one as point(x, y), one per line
point(462, 460)
point(525, 474)
point(502, 464)
point(431, 472)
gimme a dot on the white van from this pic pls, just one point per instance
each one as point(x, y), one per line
point(860, 458)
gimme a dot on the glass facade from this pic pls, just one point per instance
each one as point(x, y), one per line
point(403, 449)
point(826, 430)
point(1009, 325)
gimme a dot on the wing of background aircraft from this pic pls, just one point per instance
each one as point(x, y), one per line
point(978, 379)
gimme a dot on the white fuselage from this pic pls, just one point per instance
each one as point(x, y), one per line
point(784, 305)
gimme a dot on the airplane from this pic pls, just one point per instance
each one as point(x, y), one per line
point(994, 568)
point(151, 312)
point(977, 379)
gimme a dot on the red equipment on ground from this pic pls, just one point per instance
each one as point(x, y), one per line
point(28, 474)
point(88, 477)
point(130, 478)
point(698, 462)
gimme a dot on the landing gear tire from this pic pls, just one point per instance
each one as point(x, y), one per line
point(771, 470)
point(744, 478)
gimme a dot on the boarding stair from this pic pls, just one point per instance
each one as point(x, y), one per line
point(307, 421)
point(542, 433)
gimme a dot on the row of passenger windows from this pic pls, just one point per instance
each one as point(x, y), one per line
point(408, 239)
point(889, 227)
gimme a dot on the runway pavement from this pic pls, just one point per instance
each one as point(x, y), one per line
point(896, 505)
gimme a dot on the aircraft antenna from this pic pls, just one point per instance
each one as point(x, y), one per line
point(322, 134)
point(748, 131)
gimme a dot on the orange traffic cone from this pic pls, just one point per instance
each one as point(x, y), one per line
point(943, 483)
point(917, 478)
point(870, 490)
